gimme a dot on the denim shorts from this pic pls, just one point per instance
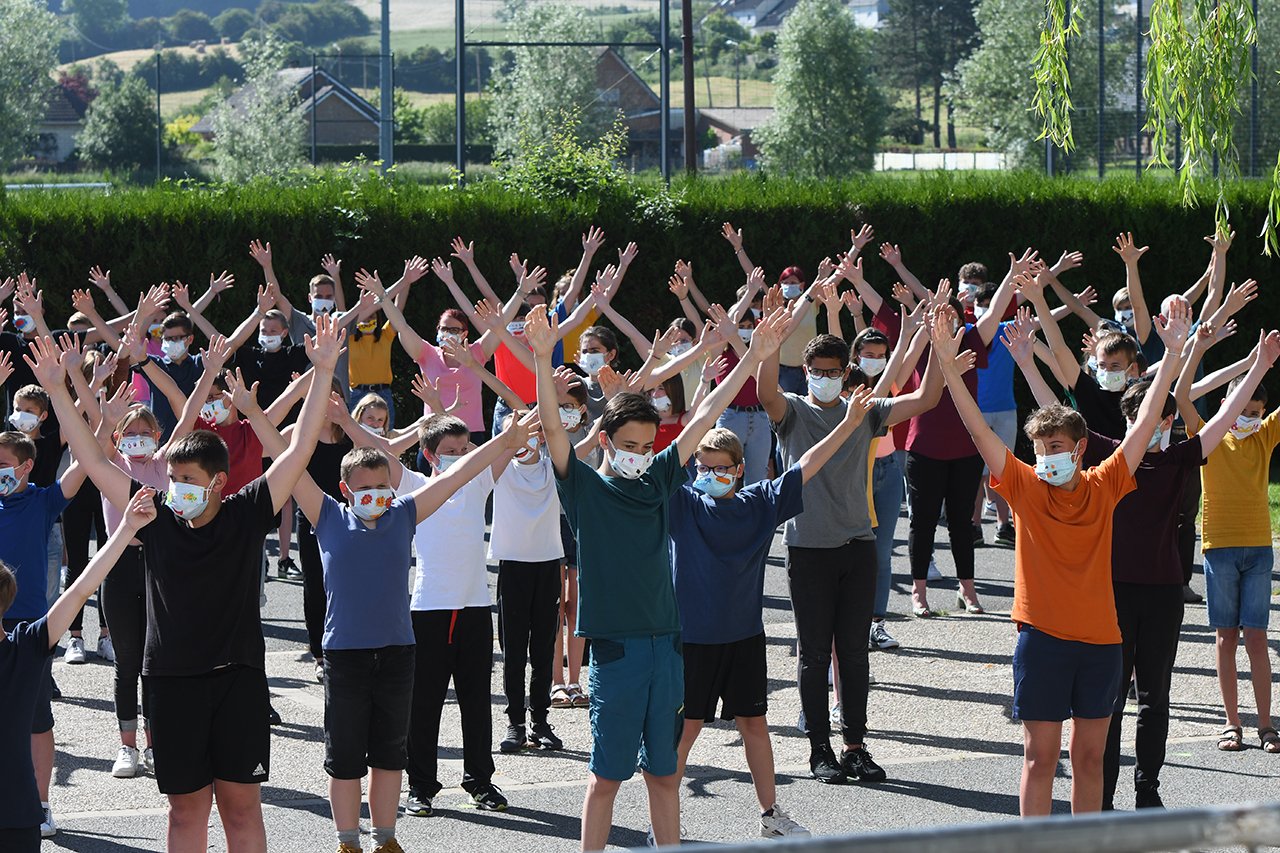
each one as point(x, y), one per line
point(1056, 679)
point(637, 705)
point(1238, 586)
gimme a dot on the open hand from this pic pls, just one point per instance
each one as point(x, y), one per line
point(260, 252)
point(541, 331)
point(1125, 248)
point(141, 510)
point(324, 348)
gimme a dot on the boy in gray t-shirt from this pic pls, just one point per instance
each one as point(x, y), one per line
point(831, 553)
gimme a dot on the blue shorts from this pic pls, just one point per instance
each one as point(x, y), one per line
point(1055, 679)
point(637, 705)
point(1238, 586)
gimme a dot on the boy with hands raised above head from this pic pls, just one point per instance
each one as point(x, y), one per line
point(626, 602)
point(1068, 656)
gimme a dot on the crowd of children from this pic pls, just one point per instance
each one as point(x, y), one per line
point(628, 510)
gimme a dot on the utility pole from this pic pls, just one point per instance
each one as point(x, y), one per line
point(460, 100)
point(686, 44)
point(159, 121)
point(387, 119)
point(664, 87)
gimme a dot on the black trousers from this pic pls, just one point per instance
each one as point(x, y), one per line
point(931, 483)
point(528, 605)
point(79, 520)
point(832, 596)
point(1150, 618)
point(314, 604)
point(124, 601)
point(457, 645)
point(1188, 509)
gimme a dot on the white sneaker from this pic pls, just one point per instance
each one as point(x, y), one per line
point(934, 574)
point(126, 766)
point(320, 672)
point(780, 825)
point(880, 638)
point(106, 649)
point(988, 509)
point(837, 716)
point(148, 760)
point(651, 841)
point(75, 651)
point(800, 722)
point(871, 679)
point(48, 826)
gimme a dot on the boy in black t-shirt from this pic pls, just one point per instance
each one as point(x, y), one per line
point(204, 657)
point(24, 652)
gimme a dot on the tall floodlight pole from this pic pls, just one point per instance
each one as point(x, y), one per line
point(387, 119)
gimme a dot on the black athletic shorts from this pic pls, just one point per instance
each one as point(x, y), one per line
point(367, 695)
point(209, 726)
point(735, 675)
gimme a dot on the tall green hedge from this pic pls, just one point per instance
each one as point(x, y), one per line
point(940, 221)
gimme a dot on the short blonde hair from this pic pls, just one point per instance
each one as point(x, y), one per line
point(720, 440)
point(1055, 420)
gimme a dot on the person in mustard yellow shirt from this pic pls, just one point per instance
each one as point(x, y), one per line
point(1068, 656)
point(1238, 556)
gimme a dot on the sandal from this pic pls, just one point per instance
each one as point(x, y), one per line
point(921, 612)
point(580, 699)
point(1232, 739)
point(561, 697)
point(969, 607)
point(1270, 740)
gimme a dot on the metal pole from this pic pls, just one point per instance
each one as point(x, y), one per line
point(313, 108)
point(159, 121)
point(686, 44)
point(737, 76)
point(1253, 105)
point(664, 86)
point(1102, 87)
point(1137, 96)
point(460, 99)
point(1048, 142)
point(386, 127)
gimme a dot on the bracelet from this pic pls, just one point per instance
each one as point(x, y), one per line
point(684, 298)
point(810, 298)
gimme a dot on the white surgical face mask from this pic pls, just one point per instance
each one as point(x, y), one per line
point(24, 323)
point(1245, 427)
point(1092, 363)
point(270, 343)
point(591, 362)
point(825, 389)
point(8, 481)
point(1056, 469)
point(529, 450)
point(661, 403)
point(980, 310)
point(174, 350)
point(969, 291)
point(215, 411)
point(516, 327)
point(24, 421)
point(322, 306)
point(745, 334)
point(755, 312)
point(629, 465)
point(186, 500)
point(791, 291)
point(136, 446)
point(369, 504)
point(444, 461)
point(873, 366)
point(1111, 380)
point(570, 417)
point(373, 430)
point(1156, 437)
point(443, 338)
point(680, 348)
point(1125, 317)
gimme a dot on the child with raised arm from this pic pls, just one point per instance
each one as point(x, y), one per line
point(1068, 656)
point(26, 649)
point(204, 662)
point(626, 602)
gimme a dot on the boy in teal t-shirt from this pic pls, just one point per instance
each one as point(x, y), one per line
point(626, 600)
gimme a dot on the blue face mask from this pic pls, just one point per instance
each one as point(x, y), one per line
point(713, 485)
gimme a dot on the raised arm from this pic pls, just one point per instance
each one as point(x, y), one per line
point(684, 277)
point(133, 348)
point(1130, 253)
point(591, 243)
point(102, 280)
point(409, 338)
point(541, 333)
point(213, 360)
point(735, 240)
point(462, 353)
point(906, 354)
point(1221, 244)
point(82, 301)
point(1032, 289)
point(1264, 358)
point(1019, 337)
point(266, 300)
point(333, 268)
point(182, 296)
point(441, 487)
point(1173, 330)
point(217, 284)
point(261, 254)
point(851, 270)
point(638, 340)
point(893, 256)
point(45, 363)
point(952, 364)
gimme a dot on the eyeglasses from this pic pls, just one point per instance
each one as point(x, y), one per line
point(833, 373)
point(719, 470)
point(452, 330)
point(178, 339)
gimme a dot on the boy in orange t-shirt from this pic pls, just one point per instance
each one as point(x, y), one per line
point(1068, 657)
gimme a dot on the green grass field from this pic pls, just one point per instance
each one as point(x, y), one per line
point(1273, 500)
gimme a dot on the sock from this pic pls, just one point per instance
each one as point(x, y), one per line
point(383, 834)
point(350, 837)
point(769, 812)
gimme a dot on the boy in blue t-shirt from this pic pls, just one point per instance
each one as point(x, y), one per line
point(720, 538)
point(626, 599)
point(26, 649)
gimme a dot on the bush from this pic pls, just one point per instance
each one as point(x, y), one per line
point(233, 23)
point(120, 127)
point(188, 26)
point(941, 221)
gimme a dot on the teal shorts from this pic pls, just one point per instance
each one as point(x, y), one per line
point(637, 705)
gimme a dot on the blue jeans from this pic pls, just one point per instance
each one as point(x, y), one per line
point(752, 429)
point(500, 412)
point(358, 392)
point(886, 493)
point(1237, 585)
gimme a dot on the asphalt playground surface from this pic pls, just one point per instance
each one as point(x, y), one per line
point(939, 715)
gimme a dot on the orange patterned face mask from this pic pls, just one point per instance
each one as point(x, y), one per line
point(369, 504)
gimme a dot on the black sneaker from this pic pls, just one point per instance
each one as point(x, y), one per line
point(514, 741)
point(978, 541)
point(488, 797)
point(1190, 596)
point(417, 805)
point(287, 568)
point(544, 736)
point(273, 716)
point(824, 767)
point(1148, 798)
point(857, 765)
point(1005, 536)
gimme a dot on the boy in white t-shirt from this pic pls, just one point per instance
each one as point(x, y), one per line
point(525, 539)
point(451, 622)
